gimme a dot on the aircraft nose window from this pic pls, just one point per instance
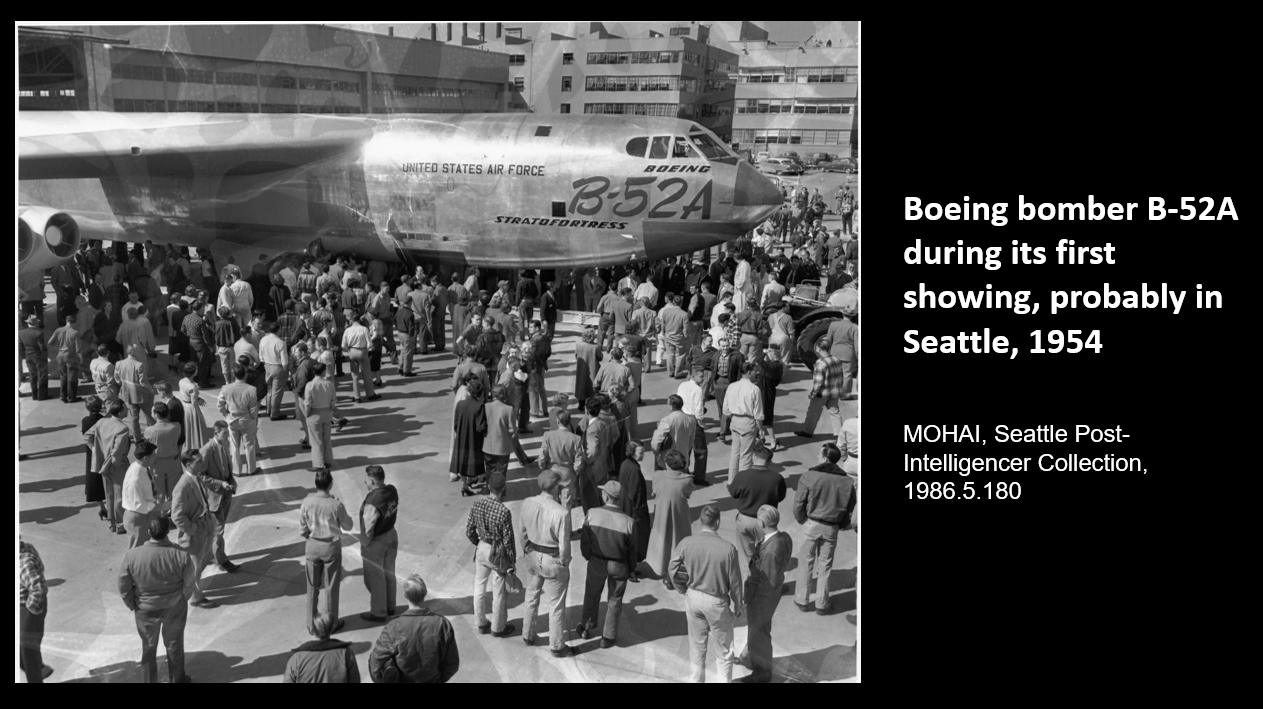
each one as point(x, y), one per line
point(658, 151)
point(636, 147)
point(707, 147)
point(683, 149)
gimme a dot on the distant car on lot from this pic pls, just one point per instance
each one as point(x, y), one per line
point(847, 165)
point(818, 158)
point(788, 154)
point(781, 166)
point(762, 156)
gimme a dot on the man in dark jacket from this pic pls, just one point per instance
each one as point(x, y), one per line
point(418, 646)
point(608, 542)
point(380, 543)
point(823, 506)
point(763, 593)
point(322, 661)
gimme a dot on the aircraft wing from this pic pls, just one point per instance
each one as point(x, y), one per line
point(93, 144)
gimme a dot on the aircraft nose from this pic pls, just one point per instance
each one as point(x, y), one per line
point(752, 189)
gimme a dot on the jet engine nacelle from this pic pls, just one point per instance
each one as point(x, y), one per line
point(46, 237)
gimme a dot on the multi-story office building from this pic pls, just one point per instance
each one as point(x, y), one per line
point(252, 68)
point(583, 68)
point(800, 95)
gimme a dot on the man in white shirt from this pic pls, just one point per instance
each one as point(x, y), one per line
point(243, 348)
point(242, 300)
point(694, 397)
point(138, 494)
point(647, 291)
point(136, 330)
point(355, 343)
point(744, 404)
point(742, 282)
point(275, 357)
point(773, 291)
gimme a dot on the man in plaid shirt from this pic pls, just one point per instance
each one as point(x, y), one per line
point(290, 327)
point(490, 528)
point(33, 607)
point(826, 390)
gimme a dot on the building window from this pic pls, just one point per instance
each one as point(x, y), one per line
point(640, 58)
point(519, 84)
point(565, 83)
point(679, 31)
point(517, 60)
point(565, 108)
point(567, 58)
point(513, 32)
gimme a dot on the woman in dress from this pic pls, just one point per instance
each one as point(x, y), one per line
point(671, 522)
point(469, 423)
point(635, 499)
point(462, 393)
point(192, 402)
point(93, 487)
point(588, 357)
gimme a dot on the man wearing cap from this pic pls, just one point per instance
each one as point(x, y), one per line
point(763, 592)
point(192, 516)
point(545, 529)
point(823, 506)
point(826, 390)
point(35, 351)
point(562, 451)
point(155, 579)
point(753, 488)
point(323, 660)
point(608, 542)
point(379, 543)
point(707, 566)
point(490, 529)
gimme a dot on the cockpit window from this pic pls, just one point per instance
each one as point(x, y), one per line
point(683, 149)
point(659, 149)
point(636, 147)
point(706, 146)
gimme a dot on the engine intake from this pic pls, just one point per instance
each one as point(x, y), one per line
point(45, 238)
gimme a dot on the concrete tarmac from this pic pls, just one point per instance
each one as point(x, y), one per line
point(90, 635)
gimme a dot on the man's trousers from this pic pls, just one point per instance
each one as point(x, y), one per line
point(700, 454)
point(68, 368)
point(819, 542)
point(204, 359)
point(360, 370)
point(227, 363)
point(276, 389)
point(137, 526)
point(37, 369)
point(814, 408)
point(758, 653)
point(379, 572)
point(243, 438)
point(548, 575)
point(324, 570)
point(320, 430)
point(31, 628)
point(134, 412)
point(744, 431)
point(409, 349)
point(170, 623)
point(708, 615)
point(604, 574)
point(200, 546)
point(220, 520)
point(486, 575)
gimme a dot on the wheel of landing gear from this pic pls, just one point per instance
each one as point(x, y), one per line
point(807, 339)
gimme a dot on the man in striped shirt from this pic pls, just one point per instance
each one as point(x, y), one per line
point(827, 381)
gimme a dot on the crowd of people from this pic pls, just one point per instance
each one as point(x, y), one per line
point(719, 325)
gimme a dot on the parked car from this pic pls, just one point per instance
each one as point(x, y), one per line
point(780, 166)
point(762, 156)
point(847, 165)
point(818, 158)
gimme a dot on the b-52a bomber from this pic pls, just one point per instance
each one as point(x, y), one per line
point(497, 190)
